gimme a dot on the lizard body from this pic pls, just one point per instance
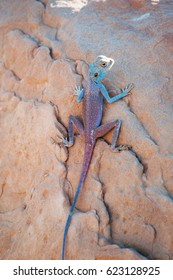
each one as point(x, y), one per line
point(92, 95)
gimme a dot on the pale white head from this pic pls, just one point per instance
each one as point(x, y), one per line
point(100, 67)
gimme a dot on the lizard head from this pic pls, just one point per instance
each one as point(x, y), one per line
point(100, 67)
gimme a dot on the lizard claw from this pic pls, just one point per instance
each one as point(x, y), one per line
point(77, 90)
point(64, 141)
point(121, 148)
point(128, 88)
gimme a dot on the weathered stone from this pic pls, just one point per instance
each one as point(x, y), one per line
point(125, 208)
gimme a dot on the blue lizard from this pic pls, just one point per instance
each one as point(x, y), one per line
point(92, 95)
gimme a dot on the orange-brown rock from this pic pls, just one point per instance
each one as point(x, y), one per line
point(125, 208)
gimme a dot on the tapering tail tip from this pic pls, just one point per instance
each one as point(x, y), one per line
point(66, 230)
point(63, 251)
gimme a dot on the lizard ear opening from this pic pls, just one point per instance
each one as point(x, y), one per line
point(96, 75)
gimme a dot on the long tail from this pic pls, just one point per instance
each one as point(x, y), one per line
point(86, 162)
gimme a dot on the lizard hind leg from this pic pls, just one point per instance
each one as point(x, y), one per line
point(78, 125)
point(105, 128)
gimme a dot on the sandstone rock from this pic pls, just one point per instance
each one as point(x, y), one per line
point(125, 207)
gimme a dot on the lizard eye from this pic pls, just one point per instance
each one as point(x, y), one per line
point(103, 64)
point(96, 75)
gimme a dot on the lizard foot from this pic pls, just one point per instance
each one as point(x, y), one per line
point(121, 148)
point(77, 90)
point(128, 88)
point(65, 142)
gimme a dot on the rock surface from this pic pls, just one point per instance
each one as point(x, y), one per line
point(125, 208)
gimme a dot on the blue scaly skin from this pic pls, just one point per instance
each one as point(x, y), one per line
point(92, 95)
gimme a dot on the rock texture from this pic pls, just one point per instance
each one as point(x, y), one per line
point(125, 208)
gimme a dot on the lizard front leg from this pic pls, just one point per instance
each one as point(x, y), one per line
point(126, 91)
point(78, 125)
point(105, 128)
